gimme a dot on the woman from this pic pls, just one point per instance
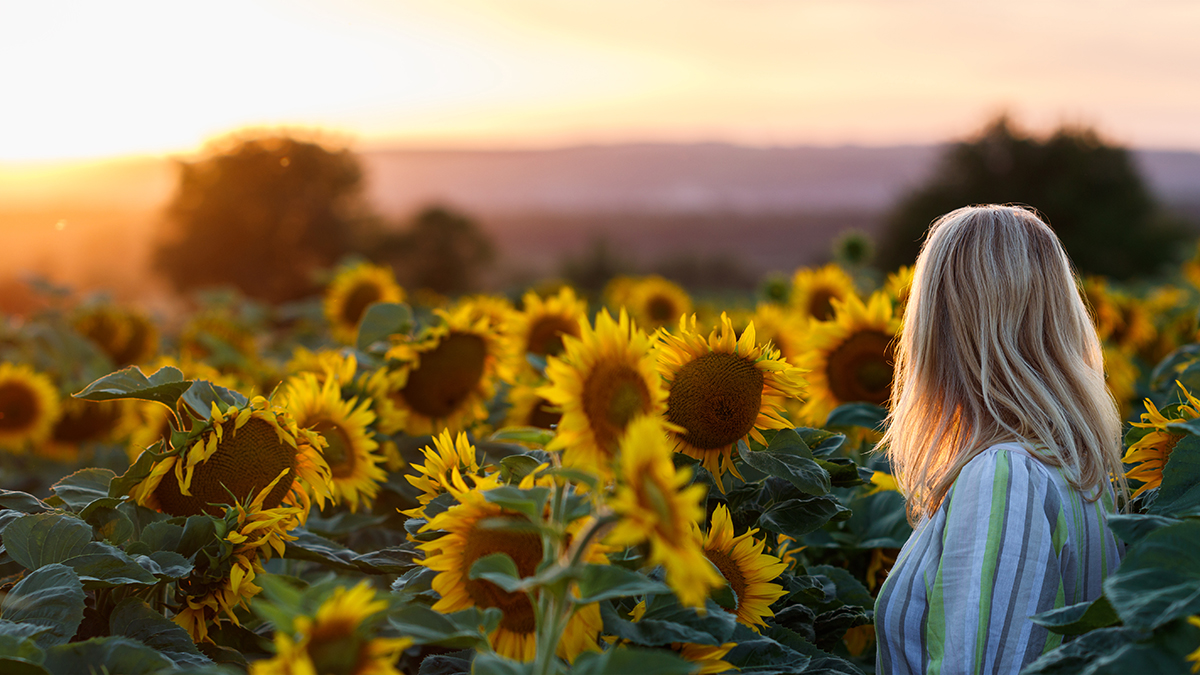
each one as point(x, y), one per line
point(1003, 436)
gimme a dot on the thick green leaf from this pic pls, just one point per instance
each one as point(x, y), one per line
point(797, 517)
point(1133, 527)
point(1159, 579)
point(499, 569)
point(136, 473)
point(535, 436)
point(763, 655)
point(604, 582)
point(863, 415)
point(666, 621)
point(1117, 651)
point(21, 501)
point(822, 442)
point(102, 565)
point(1180, 490)
point(850, 590)
point(488, 663)
point(879, 520)
point(167, 565)
point(1079, 618)
point(45, 538)
point(133, 618)
point(627, 661)
point(529, 502)
point(309, 546)
point(202, 394)
point(16, 642)
point(515, 467)
point(381, 320)
point(788, 457)
point(164, 386)
point(52, 597)
point(83, 487)
point(108, 523)
point(467, 629)
point(106, 655)
point(16, 666)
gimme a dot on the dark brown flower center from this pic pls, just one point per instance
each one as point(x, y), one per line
point(542, 416)
point(662, 309)
point(357, 300)
point(860, 369)
point(246, 461)
point(19, 407)
point(729, 568)
point(86, 421)
point(820, 303)
point(339, 454)
point(446, 375)
point(716, 399)
point(546, 334)
point(613, 394)
point(525, 548)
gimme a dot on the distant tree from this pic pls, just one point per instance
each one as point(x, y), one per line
point(261, 214)
point(1089, 191)
point(441, 250)
point(594, 268)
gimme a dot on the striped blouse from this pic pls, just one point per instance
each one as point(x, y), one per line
point(1011, 539)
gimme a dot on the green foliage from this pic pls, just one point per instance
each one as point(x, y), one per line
point(51, 597)
point(381, 320)
point(1088, 190)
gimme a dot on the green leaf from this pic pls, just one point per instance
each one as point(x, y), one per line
point(763, 655)
point(136, 473)
point(1118, 651)
point(52, 597)
point(515, 467)
point(850, 590)
point(879, 520)
point(535, 436)
point(309, 546)
point(83, 487)
point(499, 569)
point(797, 517)
point(628, 661)
point(381, 320)
point(823, 443)
point(1133, 527)
point(1079, 618)
point(666, 621)
point(108, 523)
point(604, 582)
point(106, 655)
point(530, 502)
point(21, 501)
point(16, 642)
point(45, 538)
point(467, 629)
point(788, 457)
point(202, 394)
point(167, 565)
point(1180, 490)
point(863, 415)
point(16, 666)
point(103, 565)
point(490, 663)
point(133, 618)
point(1159, 579)
point(164, 386)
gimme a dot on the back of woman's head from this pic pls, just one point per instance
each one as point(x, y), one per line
point(997, 346)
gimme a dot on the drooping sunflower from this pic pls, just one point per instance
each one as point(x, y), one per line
point(1152, 450)
point(813, 291)
point(603, 380)
point(234, 455)
point(352, 290)
point(657, 506)
point(655, 302)
point(746, 567)
point(850, 357)
point(339, 638)
point(468, 538)
point(541, 325)
point(721, 389)
point(897, 286)
point(350, 451)
point(443, 378)
point(29, 406)
point(527, 408)
point(145, 423)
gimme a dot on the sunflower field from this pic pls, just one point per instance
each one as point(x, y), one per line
point(383, 482)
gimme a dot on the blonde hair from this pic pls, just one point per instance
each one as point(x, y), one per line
point(997, 346)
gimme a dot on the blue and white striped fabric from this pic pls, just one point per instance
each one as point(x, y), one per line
point(1011, 539)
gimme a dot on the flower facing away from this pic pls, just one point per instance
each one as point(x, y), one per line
point(29, 406)
point(337, 639)
point(813, 291)
point(748, 570)
point(350, 449)
point(657, 506)
point(655, 302)
point(722, 389)
point(1152, 450)
point(476, 528)
point(604, 380)
point(353, 290)
point(850, 357)
point(234, 455)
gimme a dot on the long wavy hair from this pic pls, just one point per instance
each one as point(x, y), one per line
point(997, 346)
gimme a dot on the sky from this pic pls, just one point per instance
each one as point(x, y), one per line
point(99, 80)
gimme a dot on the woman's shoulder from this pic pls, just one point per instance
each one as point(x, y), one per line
point(1012, 467)
point(1004, 456)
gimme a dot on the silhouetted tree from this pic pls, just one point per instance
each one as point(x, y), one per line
point(1089, 191)
point(594, 268)
point(261, 214)
point(441, 250)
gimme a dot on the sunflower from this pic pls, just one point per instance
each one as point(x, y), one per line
point(1103, 307)
point(29, 406)
point(882, 561)
point(657, 505)
point(125, 336)
point(214, 333)
point(527, 408)
point(813, 291)
point(850, 357)
point(655, 302)
point(1152, 450)
point(748, 570)
point(722, 389)
point(468, 538)
point(222, 584)
point(603, 380)
point(83, 423)
point(781, 327)
point(447, 455)
point(145, 423)
point(336, 364)
point(897, 287)
point(1121, 374)
point(337, 639)
point(497, 310)
point(1134, 328)
point(350, 450)
point(540, 326)
point(444, 378)
point(352, 290)
point(233, 456)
